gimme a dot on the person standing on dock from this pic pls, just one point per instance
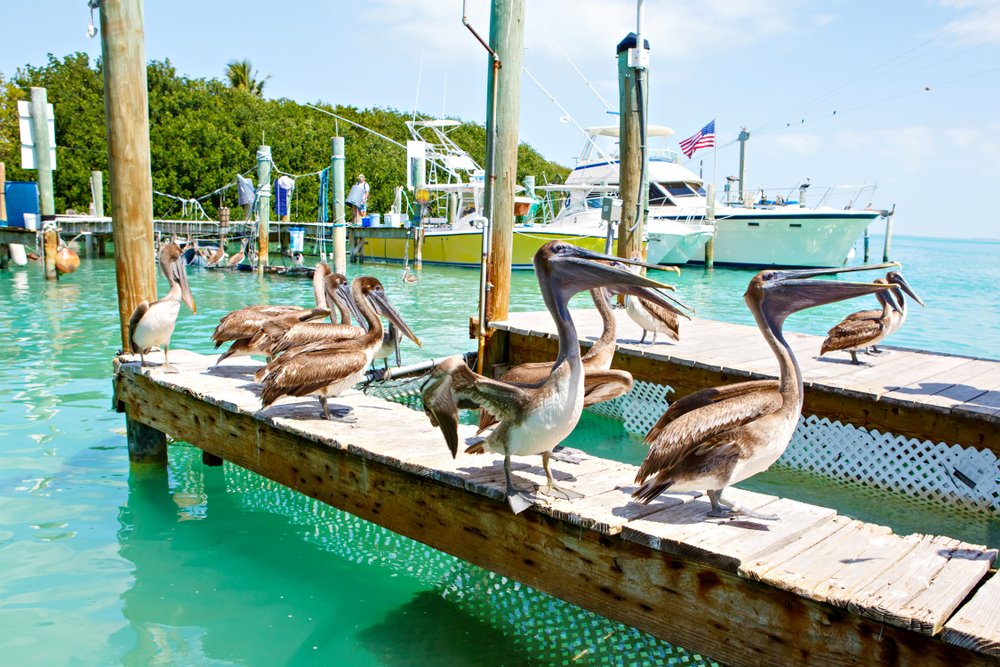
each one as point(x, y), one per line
point(358, 198)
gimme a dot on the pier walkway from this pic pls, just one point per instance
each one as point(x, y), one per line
point(814, 587)
point(937, 397)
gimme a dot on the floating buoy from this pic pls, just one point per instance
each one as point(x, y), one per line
point(18, 254)
point(67, 261)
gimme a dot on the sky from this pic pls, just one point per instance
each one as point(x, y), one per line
point(900, 94)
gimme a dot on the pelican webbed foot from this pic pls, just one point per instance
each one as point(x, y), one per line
point(874, 351)
point(855, 360)
point(517, 497)
point(167, 368)
point(724, 509)
point(553, 489)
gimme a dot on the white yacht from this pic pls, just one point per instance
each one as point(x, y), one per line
point(757, 231)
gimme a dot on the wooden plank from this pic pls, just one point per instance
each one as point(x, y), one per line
point(726, 543)
point(618, 578)
point(845, 561)
point(976, 626)
point(921, 591)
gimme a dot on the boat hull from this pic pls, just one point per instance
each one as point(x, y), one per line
point(675, 242)
point(810, 239)
point(464, 248)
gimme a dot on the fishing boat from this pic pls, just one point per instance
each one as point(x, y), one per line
point(451, 204)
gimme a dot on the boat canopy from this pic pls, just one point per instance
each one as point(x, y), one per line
point(613, 131)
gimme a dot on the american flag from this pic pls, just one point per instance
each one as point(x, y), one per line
point(703, 138)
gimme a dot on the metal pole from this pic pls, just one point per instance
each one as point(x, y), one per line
point(127, 121)
point(126, 112)
point(744, 136)
point(263, 206)
point(339, 222)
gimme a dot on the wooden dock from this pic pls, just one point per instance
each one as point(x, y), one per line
point(937, 397)
point(814, 587)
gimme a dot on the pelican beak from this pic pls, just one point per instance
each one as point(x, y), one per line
point(181, 275)
point(891, 301)
point(589, 269)
point(897, 278)
point(789, 296)
point(812, 273)
point(382, 306)
point(343, 293)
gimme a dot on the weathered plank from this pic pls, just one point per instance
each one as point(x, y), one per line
point(976, 626)
point(921, 591)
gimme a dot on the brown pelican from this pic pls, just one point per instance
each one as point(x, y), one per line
point(408, 277)
point(218, 256)
point(152, 324)
point(238, 257)
point(898, 316)
point(719, 436)
point(327, 368)
point(534, 419)
point(601, 383)
point(860, 330)
point(242, 326)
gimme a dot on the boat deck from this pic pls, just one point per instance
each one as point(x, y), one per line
point(937, 397)
point(814, 586)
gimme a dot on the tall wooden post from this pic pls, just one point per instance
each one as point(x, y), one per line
point(503, 109)
point(630, 121)
point(126, 112)
point(43, 164)
point(263, 206)
point(97, 191)
point(339, 221)
point(710, 215)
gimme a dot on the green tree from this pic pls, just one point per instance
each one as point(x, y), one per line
point(242, 76)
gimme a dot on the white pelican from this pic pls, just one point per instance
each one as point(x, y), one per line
point(152, 324)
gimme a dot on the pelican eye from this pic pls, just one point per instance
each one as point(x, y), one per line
point(767, 275)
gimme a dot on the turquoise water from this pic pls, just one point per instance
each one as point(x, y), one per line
point(216, 566)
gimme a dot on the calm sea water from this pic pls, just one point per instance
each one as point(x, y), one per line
point(216, 566)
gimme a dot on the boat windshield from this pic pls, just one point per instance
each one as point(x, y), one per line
point(673, 193)
point(603, 147)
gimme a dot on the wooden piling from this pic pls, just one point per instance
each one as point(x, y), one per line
point(503, 109)
point(710, 215)
point(43, 164)
point(97, 191)
point(631, 188)
point(50, 247)
point(339, 221)
point(126, 112)
point(888, 235)
point(263, 206)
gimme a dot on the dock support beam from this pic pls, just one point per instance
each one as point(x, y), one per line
point(633, 95)
point(126, 110)
point(339, 221)
point(503, 109)
point(50, 247)
point(263, 206)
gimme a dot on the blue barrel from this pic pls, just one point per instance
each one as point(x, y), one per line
point(22, 197)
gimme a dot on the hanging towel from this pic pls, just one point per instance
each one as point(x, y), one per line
point(245, 188)
point(324, 186)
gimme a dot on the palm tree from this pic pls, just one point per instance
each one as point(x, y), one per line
point(242, 75)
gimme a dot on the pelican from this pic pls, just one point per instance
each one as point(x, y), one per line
point(860, 330)
point(390, 345)
point(242, 326)
point(238, 257)
point(601, 383)
point(652, 317)
point(534, 419)
point(719, 436)
point(326, 369)
point(408, 277)
point(153, 323)
point(898, 316)
point(219, 256)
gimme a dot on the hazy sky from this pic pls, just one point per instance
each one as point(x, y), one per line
point(901, 94)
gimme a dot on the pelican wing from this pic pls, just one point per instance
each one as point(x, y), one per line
point(701, 427)
point(246, 322)
point(452, 382)
point(133, 322)
point(668, 317)
point(861, 315)
point(305, 373)
point(850, 334)
point(287, 335)
point(605, 385)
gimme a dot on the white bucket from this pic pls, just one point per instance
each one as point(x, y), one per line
point(376, 219)
point(17, 254)
point(31, 221)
